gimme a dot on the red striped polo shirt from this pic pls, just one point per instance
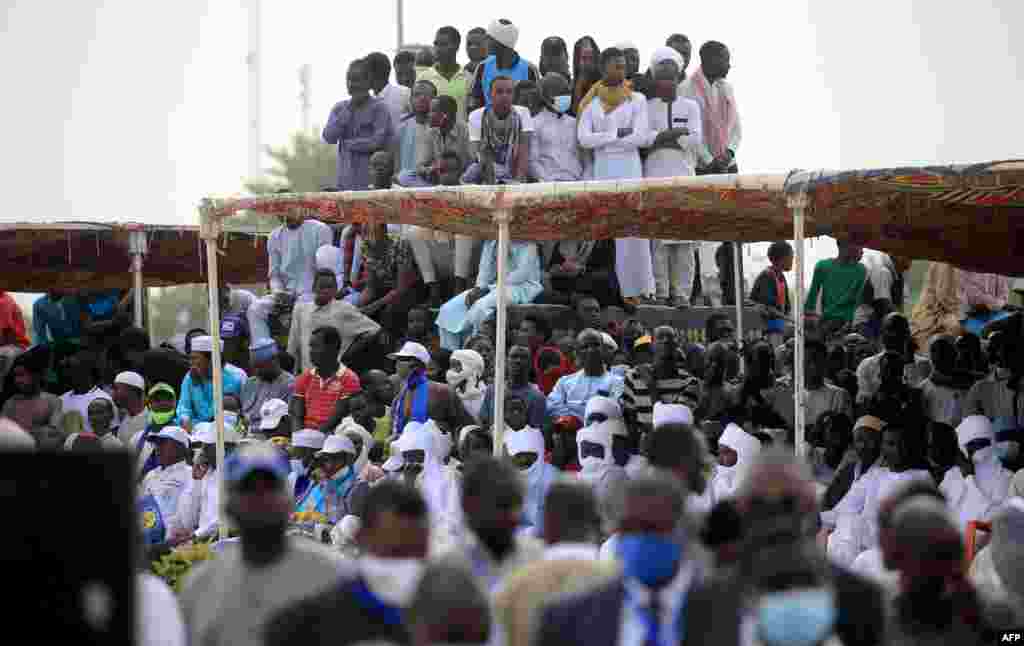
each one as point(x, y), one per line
point(322, 395)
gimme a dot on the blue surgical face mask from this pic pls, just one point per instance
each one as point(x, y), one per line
point(563, 103)
point(802, 617)
point(651, 559)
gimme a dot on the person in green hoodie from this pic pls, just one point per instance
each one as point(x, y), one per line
point(840, 282)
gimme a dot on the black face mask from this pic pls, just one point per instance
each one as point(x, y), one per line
point(498, 541)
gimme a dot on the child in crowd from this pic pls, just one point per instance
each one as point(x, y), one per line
point(420, 328)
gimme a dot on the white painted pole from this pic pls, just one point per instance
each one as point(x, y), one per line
point(210, 231)
point(798, 203)
point(738, 293)
point(255, 63)
point(137, 246)
point(500, 351)
point(399, 24)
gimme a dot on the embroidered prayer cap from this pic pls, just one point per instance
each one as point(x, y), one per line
point(974, 427)
point(336, 444)
point(173, 433)
point(671, 414)
point(869, 422)
point(256, 457)
point(271, 413)
point(308, 438)
point(504, 32)
point(203, 343)
point(412, 350)
point(527, 440)
point(133, 379)
point(666, 54)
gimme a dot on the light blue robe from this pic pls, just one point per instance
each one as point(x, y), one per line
point(455, 322)
point(536, 491)
point(572, 392)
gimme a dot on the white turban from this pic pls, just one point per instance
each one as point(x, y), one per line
point(607, 340)
point(328, 257)
point(974, 427)
point(626, 44)
point(506, 34)
point(666, 54)
point(528, 440)
point(746, 445)
point(606, 405)
point(671, 414)
point(470, 360)
point(308, 438)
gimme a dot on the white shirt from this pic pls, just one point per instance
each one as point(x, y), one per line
point(167, 485)
point(638, 596)
point(720, 88)
point(554, 151)
point(80, 403)
point(158, 621)
point(292, 256)
point(668, 162)
point(198, 506)
point(599, 130)
point(476, 120)
point(882, 274)
point(396, 98)
point(144, 453)
point(571, 552)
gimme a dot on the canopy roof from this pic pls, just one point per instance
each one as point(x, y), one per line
point(38, 257)
point(969, 215)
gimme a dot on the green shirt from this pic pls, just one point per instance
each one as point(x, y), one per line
point(841, 286)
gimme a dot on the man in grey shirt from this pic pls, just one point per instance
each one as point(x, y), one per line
point(267, 382)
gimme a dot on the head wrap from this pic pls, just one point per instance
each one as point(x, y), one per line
point(432, 481)
point(506, 34)
point(746, 445)
point(605, 405)
point(666, 54)
point(349, 425)
point(594, 468)
point(974, 427)
point(671, 414)
point(528, 440)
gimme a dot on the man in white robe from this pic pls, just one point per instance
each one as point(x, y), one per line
point(998, 569)
point(597, 461)
point(975, 496)
point(613, 123)
point(675, 134)
point(736, 452)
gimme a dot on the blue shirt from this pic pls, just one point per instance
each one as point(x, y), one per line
point(196, 401)
point(520, 71)
point(56, 320)
point(572, 392)
point(359, 133)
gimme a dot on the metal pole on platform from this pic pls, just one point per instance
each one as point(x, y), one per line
point(500, 352)
point(137, 247)
point(209, 229)
point(798, 203)
point(738, 295)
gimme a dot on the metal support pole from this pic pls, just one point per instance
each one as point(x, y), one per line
point(210, 231)
point(738, 295)
point(137, 247)
point(399, 23)
point(500, 353)
point(798, 203)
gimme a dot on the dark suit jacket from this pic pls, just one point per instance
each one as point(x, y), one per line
point(331, 618)
point(713, 614)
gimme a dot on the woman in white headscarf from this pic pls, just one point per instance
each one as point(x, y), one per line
point(736, 452)
point(526, 447)
point(465, 376)
point(367, 472)
point(977, 494)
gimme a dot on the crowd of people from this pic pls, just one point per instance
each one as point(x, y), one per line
point(646, 489)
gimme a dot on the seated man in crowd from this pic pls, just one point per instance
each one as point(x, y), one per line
point(267, 382)
point(571, 393)
point(463, 315)
point(517, 378)
point(29, 406)
point(446, 134)
point(580, 270)
point(196, 402)
point(500, 136)
point(321, 386)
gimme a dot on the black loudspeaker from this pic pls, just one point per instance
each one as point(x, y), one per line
point(68, 547)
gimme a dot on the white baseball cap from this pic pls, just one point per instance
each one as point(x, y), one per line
point(271, 413)
point(412, 350)
point(335, 444)
point(175, 433)
point(133, 379)
point(309, 439)
point(206, 433)
point(204, 344)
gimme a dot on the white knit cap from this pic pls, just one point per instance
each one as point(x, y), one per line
point(671, 414)
point(666, 54)
point(506, 34)
point(974, 427)
point(470, 360)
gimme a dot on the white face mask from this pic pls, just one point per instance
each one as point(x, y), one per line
point(392, 580)
point(639, 467)
point(563, 102)
point(985, 455)
point(455, 379)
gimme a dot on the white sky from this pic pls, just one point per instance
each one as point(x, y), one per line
point(133, 111)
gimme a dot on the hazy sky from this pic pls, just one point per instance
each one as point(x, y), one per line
point(126, 110)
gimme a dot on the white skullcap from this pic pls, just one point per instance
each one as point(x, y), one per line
point(470, 360)
point(974, 427)
point(132, 379)
point(308, 438)
point(606, 405)
point(746, 445)
point(607, 340)
point(328, 257)
point(666, 54)
point(506, 34)
point(671, 414)
point(528, 440)
point(13, 438)
point(626, 44)
point(203, 343)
